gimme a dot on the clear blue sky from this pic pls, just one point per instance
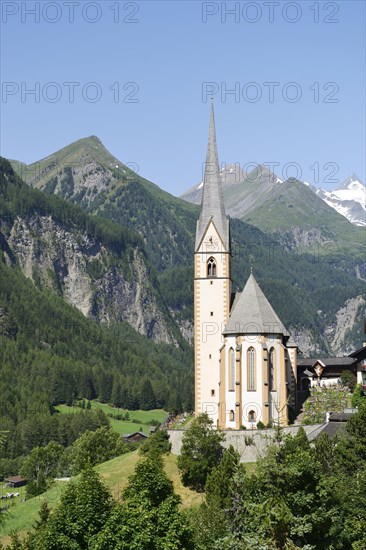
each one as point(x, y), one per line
point(169, 50)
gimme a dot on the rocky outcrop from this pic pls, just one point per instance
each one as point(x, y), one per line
point(88, 275)
point(345, 320)
point(185, 326)
point(305, 340)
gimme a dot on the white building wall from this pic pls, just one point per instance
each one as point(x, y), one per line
point(361, 372)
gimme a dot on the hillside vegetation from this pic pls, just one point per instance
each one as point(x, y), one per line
point(114, 473)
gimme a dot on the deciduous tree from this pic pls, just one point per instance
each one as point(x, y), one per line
point(201, 452)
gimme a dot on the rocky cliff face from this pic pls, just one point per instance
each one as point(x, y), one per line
point(337, 335)
point(88, 275)
point(347, 318)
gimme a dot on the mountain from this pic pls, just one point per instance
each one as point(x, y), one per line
point(307, 258)
point(290, 211)
point(349, 200)
point(96, 266)
point(86, 174)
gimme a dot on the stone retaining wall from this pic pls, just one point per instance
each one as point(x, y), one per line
point(251, 444)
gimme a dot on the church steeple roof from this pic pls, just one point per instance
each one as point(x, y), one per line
point(212, 206)
point(252, 313)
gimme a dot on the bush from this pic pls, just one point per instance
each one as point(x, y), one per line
point(358, 396)
point(348, 380)
point(157, 444)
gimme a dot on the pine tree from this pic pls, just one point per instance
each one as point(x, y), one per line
point(218, 484)
point(147, 396)
point(44, 514)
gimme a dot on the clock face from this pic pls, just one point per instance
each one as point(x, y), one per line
point(211, 243)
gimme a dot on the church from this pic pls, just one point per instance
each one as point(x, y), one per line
point(245, 359)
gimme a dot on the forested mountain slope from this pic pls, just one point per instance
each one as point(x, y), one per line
point(99, 267)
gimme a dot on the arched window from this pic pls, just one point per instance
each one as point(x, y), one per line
point(271, 370)
point(211, 267)
point(232, 416)
point(252, 417)
point(251, 374)
point(231, 370)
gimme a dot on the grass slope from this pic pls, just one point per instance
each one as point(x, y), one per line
point(114, 473)
point(22, 515)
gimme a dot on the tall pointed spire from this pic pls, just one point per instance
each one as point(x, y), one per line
point(212, 206)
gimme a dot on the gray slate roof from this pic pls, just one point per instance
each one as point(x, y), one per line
point(253, 313)
point(333, 429)
point(212, 206)
point(327, 361)
point(340, 417)
point(359, 353)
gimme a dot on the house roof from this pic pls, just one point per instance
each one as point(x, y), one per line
point(134, 433)
point(212, 206)
point(334, 428)
point(308, 373)
point(252, 313)
point(327, 361)
point(14, 479)
point(340, 417)
point(359, 353)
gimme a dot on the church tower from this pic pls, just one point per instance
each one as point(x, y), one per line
point(212, 283)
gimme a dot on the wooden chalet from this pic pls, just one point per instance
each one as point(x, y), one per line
point(15, 481)
point(134, 437)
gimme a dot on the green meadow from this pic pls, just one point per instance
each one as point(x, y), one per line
point(138, 419)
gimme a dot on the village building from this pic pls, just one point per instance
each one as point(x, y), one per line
point(327, 371)
point(245, 359)
point(135, 437)
point(15, 481)
point(360, 356)
point(324, 371)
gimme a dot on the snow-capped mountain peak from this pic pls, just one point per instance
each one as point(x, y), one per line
point(349, 199)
